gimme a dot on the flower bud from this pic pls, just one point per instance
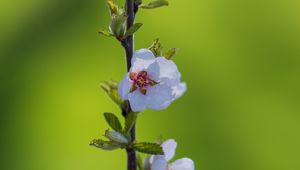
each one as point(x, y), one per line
point(116, 137)
point(118, 24)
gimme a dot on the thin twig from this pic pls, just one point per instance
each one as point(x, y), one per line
point(128, 44)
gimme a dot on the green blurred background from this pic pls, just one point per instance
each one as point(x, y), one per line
point(241, 60)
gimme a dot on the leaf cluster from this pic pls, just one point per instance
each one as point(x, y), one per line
point(120, 137)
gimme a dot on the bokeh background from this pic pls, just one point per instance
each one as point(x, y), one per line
point(241, 60)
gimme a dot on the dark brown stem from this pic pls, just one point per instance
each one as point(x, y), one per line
point(128, 44)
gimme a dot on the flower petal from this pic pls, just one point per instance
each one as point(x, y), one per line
point(144, 54)
point(159, 163)
point(141, 59)
point(137, 101)
point(159, 96)
point(182, 164)
point(179, 90)
point(124, 87)
point(163, 69)
point(169, 148)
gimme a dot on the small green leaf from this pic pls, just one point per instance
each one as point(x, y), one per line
point(113, 121)
point(111, 89)
point(112, 6)
point(139, 161)
point(105, 145)
point(130, 121)
point(156, 47)
point(133, 29)
point(105, 33)
point(116, 137)
point(170, 53)
point(155, 4)
point(148, 148)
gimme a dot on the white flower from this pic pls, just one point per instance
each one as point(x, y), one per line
point(160, 162)
point(152, 82)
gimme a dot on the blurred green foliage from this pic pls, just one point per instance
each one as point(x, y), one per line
point(241, 60)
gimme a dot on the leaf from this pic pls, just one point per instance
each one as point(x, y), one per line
point(130, 121)
point(139, 161)
point(155, 4)
point(105, 86)
point(116, 137)
point(105, 145)
point(105, 33)
point(112, 6)
point(133, 29)
point(148, 148)
point(170, 53)
point(113, 121)
point(111, 89)
point(156, 47)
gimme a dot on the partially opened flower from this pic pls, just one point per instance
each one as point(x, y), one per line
point(152, 82)
point(160, 162)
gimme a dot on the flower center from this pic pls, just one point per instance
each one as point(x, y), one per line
point(141, 81)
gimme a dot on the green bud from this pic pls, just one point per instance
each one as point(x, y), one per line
point(111, 89)
point(170, 53)
point(118, 20)
point(156, 47)
point(118, 25)
point(116, 137)
point(113, 84)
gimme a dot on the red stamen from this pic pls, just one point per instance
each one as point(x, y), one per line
point(141, 81)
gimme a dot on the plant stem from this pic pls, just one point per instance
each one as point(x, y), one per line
point(129, 40)
point(128, 44)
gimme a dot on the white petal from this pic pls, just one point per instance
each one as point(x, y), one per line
point(179, 90)
point(137, 101)
point(141, 59)
point(124, 87)
point(144, 54)
point(163, 69)
point(159, 163)
point(182, 164)
point(151, 159)
point(169, 147)
point(159, 96)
